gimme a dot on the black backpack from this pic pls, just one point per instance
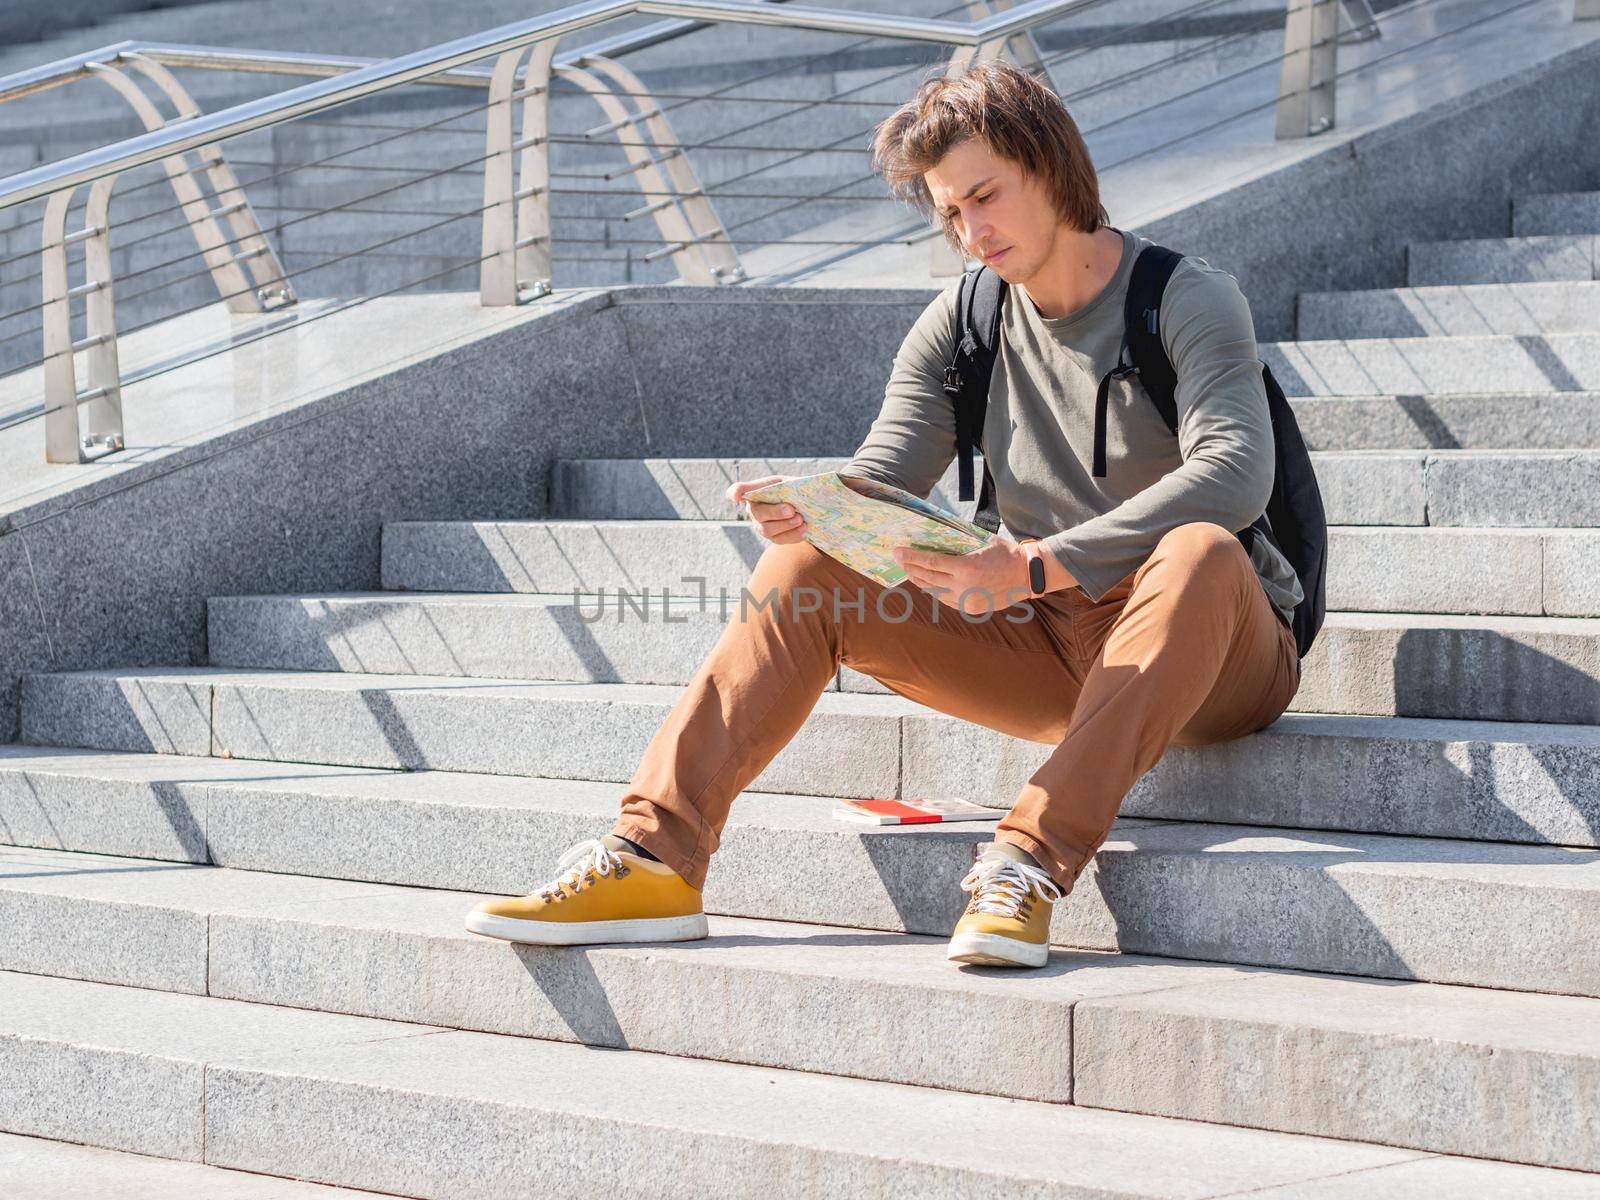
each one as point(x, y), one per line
point(1293, 521)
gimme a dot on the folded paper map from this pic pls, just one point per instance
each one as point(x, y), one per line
point(859, 521)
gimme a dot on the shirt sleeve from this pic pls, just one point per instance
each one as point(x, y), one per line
point(1224, 435)
point(913, 438)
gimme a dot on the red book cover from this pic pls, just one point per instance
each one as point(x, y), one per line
point(913, 812)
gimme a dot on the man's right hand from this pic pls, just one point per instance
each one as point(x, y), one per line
point(778, 523)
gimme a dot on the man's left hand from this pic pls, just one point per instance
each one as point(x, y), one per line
point(980, 581)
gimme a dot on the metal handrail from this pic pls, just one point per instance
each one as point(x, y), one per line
point(65, 70)
point(86, 64)
point(515, 259)
point(272, 62)
point(840, 144)
point(349, 85)
point(209, 57)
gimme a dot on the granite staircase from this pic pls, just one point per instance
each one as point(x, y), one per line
point(1352, 955)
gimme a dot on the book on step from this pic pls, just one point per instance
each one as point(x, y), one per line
point(859, 521)
point(913, 812)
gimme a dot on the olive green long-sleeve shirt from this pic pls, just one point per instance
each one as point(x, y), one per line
point(1039, 427)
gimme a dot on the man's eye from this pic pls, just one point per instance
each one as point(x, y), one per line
point(984, 197)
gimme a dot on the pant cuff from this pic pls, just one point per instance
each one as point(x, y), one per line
point(1063, 872)
point(692, 870)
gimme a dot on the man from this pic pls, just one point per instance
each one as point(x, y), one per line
point(1153, 626)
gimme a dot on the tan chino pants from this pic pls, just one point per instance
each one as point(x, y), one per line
point(1186, 649)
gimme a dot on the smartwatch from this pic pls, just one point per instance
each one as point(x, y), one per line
point(1032, 548)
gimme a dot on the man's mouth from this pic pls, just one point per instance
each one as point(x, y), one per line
point(995, 256)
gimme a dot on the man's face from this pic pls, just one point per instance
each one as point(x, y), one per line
point(1002, 216)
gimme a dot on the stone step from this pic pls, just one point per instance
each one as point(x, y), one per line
point(1475, 668)
point(425, 1110)
point(1556, 213)
point(1542, 258)
point(1537, 669)
point(1455, 310)
point(152, 1057)
point(1482, 781)
point(1489, 780)
point(1513, 572)
point(1538, 572)
point(1565, 362)
point(1399, 487)
point(1378, 664)
point(1250, 1052)
point(505, 636)
point(43, 1169)
point(1378, 905)
point(1543, 417)
point(401, 955)
point(849, 745)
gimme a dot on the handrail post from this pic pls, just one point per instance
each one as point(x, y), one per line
point(1310, 68)
point(1363, 24)
point(65, 439)
point(101, 421)
point(516, 220)
point(533, 267)
point(713, 251)
point(1023, 48)
point(271, 288)
point(670, 219)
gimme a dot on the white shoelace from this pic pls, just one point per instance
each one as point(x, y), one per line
point(1002, 884)
point(577, 861)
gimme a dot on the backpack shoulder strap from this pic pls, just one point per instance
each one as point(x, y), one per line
point(1141, 352)
point(966, 377)
point(1142, 317)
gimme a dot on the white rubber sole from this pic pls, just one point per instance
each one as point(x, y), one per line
point(583, 933)
point(995, 950)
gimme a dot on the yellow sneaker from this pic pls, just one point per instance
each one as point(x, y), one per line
point(598, 895)
point(1007, 922)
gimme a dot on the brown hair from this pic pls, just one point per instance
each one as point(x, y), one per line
point(1020, 118)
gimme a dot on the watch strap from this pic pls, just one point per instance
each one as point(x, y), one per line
point(1033, 548)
